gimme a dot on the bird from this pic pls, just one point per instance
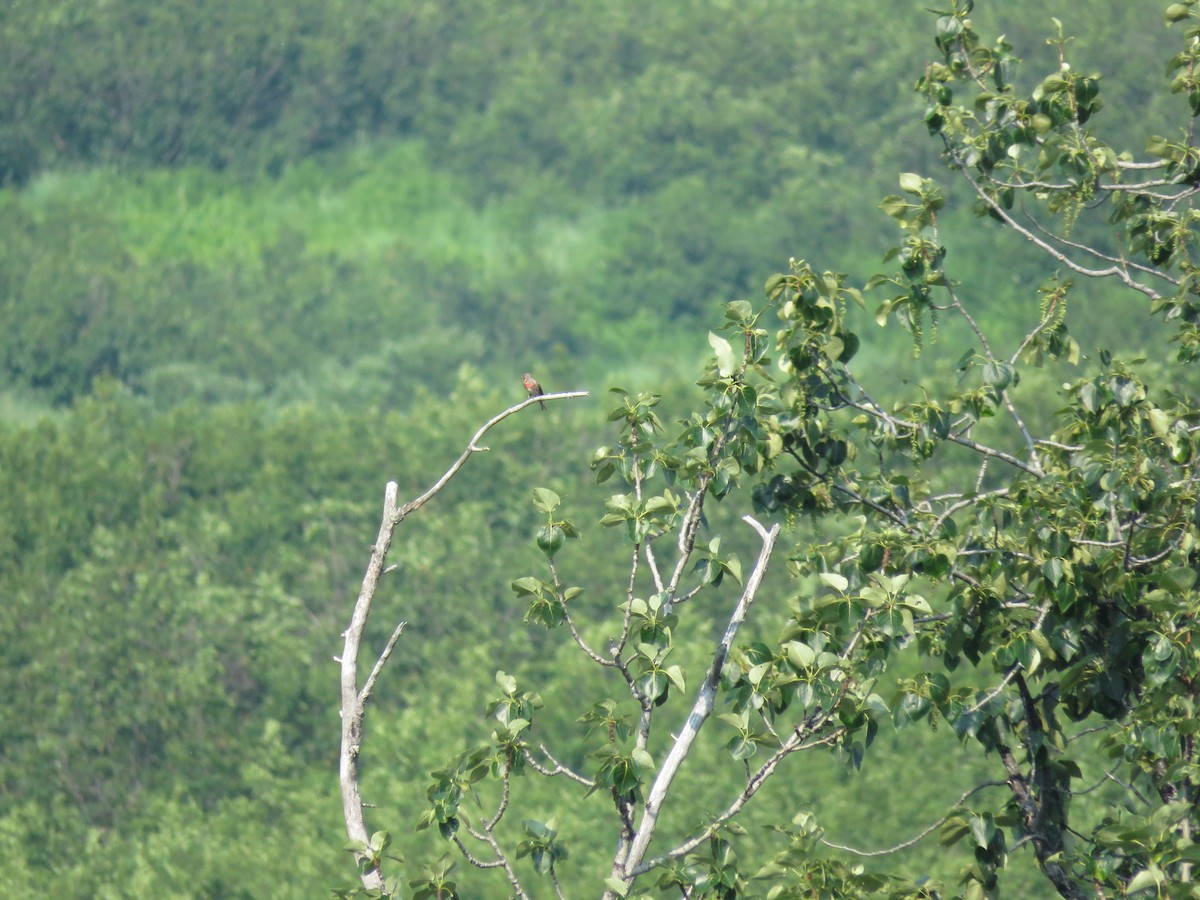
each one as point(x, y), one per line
point(534, 389)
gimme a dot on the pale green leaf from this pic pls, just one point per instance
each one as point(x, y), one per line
point(726, 360)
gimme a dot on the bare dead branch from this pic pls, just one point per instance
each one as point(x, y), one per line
point(354, 700)
point(352, 707)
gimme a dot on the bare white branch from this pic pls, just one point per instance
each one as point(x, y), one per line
point(701, 708)
point(354, 701)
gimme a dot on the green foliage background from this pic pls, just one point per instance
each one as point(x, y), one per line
point(260, 258)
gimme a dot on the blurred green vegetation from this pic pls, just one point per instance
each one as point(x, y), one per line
point(260, 258)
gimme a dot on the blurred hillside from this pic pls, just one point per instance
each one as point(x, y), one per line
point(506, 184)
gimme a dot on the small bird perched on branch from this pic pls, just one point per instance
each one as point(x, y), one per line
point(534, 389)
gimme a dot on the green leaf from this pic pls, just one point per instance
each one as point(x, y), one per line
point(800, 654)
point(550, 539)
point(835, 581)
point(1159, 146)
point(536, 829)
point(999, 375)
point(545, 500)
point(1177, 12)
point(982, 829)
point(850, 343)
point(527, 586)
point(1147, 879)
point(660, 504)
point(895, 206)
point(726, 360)
point(514, 728)
point(910, 182)
point(733, 566)
point(742, 748)
point(617, 886)
point(1160, 422)
point(916, 603)
point(739, 311)
point(675, 673)
point(1178, 580)
point(380, 841)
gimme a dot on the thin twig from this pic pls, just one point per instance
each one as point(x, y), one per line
point(559, 768)
point(904, 845)
point(369, 684)
point(1116, 260)
point(1116, 271)
point(987, 349)
point(472, 858)
point(756, 781)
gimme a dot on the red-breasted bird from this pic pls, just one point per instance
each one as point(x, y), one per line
point(534, 389)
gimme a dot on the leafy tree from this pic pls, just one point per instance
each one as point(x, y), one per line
point(1033, 561)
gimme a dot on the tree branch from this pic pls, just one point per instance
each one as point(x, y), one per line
point(904, 845)
point(701, 709)
point(559, 768)
point(1054, 253)
point(795, 744)
point(354, 701)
